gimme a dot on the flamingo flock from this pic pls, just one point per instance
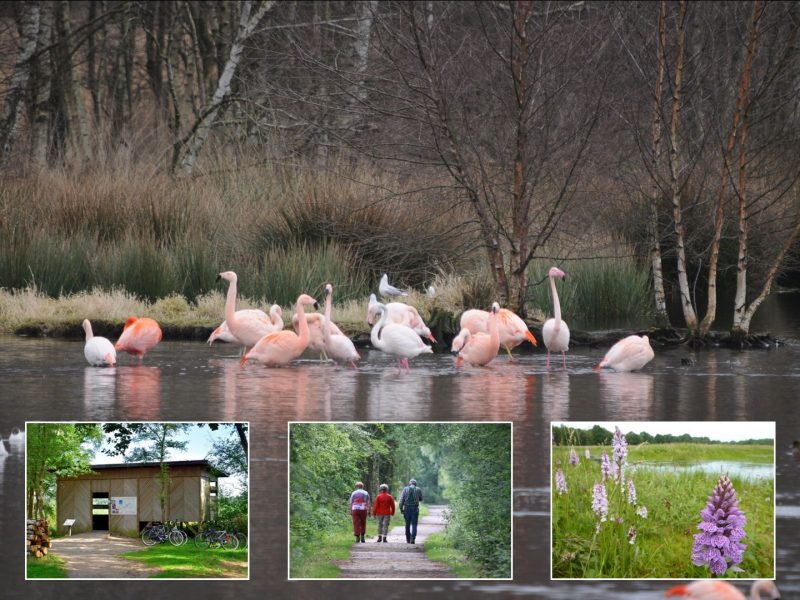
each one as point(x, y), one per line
point(397, 329)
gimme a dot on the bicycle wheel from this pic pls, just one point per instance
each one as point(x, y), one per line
point(200, 541)
point(242, 537)
point(147, 537)
point(184, 536)
point(175, 537)
point(229, 541)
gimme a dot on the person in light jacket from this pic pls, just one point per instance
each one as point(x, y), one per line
point(359, 509)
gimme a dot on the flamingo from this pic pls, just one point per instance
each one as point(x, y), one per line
point(628, 354)
point(710, 589)
point(316, 333)
point(478, 349)
point(555, 331)
point(387, 290)
point(282, 347)
point(246, 328)
point(398, 340)
point(402, 314)
point(98, 350)
point(223, 332)
point(339, 347)
point(139, 336)
point(511, 328)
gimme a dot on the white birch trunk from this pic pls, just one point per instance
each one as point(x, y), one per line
point(12, 110)
point(43, 80)
point(197, 137)
point(689, 314)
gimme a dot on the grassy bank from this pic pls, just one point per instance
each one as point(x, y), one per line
point(47, 567)
point(189, 561)
point(440, 548)
point(664, 537)
point(313, 558)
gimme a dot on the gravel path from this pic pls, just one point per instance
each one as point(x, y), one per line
point(95, 555)
point(396, 559)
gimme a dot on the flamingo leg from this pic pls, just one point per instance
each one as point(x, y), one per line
point(564, 359)
point(548, 360)
point(508, 350)
point(405, 364)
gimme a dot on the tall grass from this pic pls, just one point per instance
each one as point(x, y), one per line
point(596, 293)
point(664, 539)
point(284, 233)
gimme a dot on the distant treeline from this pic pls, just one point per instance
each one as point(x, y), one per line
point(598, 436)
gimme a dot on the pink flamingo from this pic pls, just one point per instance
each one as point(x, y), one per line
point(316, 332)
point(98, 350)
point(398, 340)
point(402, 314)
point(710, 589)
point(339, 347)
point(139, 336)
point(511, 328)
point(478, 349)
point(246, 328)
point(282, 347)
point(628, 354)
point(274, 318)
point(555, 332)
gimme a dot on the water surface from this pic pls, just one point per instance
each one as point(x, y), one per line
point(48, 380)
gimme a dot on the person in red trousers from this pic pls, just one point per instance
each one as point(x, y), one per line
point(383, 509)
point(359, 509)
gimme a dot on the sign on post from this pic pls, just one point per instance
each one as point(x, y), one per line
point(122, 505)
point(69, 523)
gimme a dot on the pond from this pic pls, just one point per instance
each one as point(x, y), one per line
point(742, 470)
point(44, 379)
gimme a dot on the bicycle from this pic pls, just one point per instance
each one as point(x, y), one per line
point(157, 533)
point(216, 538)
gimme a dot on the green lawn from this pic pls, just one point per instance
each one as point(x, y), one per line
point(189, 561)
point(47, 567)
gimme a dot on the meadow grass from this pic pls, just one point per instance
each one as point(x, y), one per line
point(664, 539)
point(313, 558)
point(439, 548)
point(189, 561)
point(47, 567)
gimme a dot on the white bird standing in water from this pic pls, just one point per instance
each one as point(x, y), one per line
point(555, 331)
point(389, 290)
point(98, 351)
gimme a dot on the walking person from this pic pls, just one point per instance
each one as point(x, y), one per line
point(409, 506)
point(383, 509)
point(359, 509)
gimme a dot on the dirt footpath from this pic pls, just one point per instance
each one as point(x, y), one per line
point(396, 559)
point(95, 555)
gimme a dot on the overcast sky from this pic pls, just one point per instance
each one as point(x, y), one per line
point(723, 431)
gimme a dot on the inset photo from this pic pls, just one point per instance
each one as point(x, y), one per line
point(400, 500)
point(136, 500)
point(684, 500)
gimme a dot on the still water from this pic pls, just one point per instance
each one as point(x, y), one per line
point(734, 469)
point(43, 379)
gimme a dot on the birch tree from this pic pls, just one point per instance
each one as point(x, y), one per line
point(18, 86)
point(186, 149)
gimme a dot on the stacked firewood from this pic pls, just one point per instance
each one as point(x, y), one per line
point(38, 538)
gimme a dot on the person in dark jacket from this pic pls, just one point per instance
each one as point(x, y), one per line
point(383, 509)
point(409, 506)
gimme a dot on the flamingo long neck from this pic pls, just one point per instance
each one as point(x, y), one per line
point(88, 329)
point(326, 327)
point(274, 318)
point(494, 330)
point(556, 303)
point(302, 325)
point(759, 586)
point(230, 303)
point(374, 335)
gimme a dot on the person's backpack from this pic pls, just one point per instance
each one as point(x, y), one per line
point(411, 499)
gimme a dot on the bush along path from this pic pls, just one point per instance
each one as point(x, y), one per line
point(396, 559)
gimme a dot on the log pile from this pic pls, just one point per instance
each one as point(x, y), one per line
point(38, 541)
